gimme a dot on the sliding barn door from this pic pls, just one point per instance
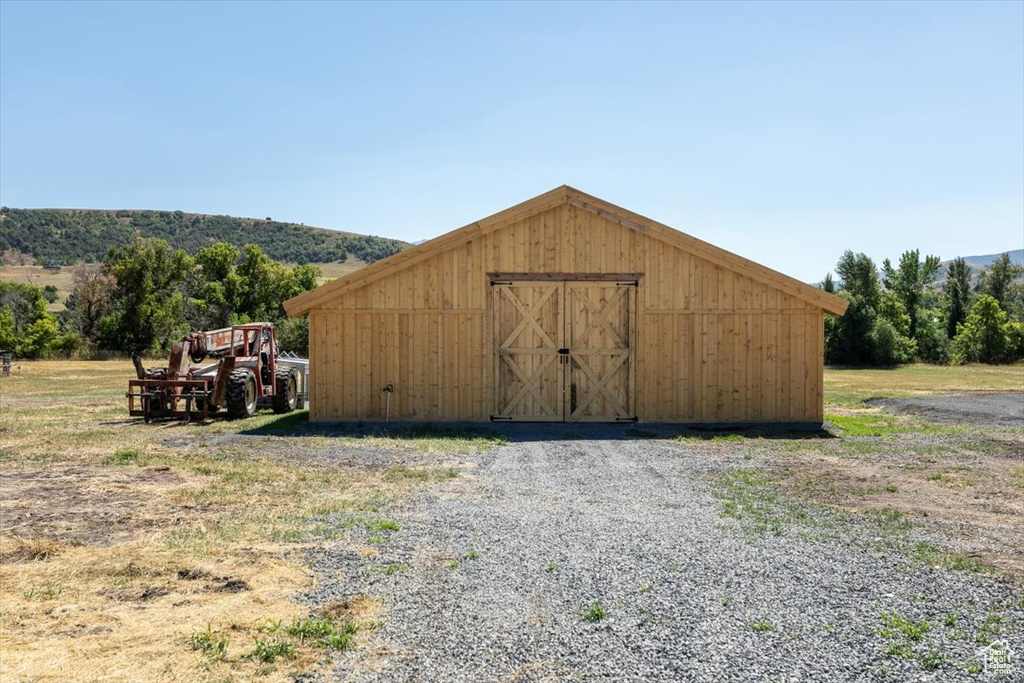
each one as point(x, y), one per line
point(529, 371)
point(600, 330)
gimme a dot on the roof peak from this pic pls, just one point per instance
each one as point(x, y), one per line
point(557, 196)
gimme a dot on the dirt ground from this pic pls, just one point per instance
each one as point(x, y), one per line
point(93, 504)
point(973, 500)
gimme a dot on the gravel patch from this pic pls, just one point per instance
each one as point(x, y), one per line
point(1002, 409)
point(490, 574)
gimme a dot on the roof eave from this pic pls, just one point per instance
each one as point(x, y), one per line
point(307, 301)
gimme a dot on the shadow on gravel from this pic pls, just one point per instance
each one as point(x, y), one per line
point(299, 425)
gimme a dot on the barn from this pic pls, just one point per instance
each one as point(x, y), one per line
point(566, 308)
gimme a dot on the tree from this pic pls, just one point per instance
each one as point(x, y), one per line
point(50, 293)
point(859, 277)
point(908, 282)
point(956, 294)
point(828, 285)
point(848, 339)
point(261, 277)
point(891, 343)
point(267, 284)
point(8, 333)
point(27, 328)
point(293, 335)
point(147, 304)
point(90, 300)
point(888, 346)
point(216, 289)
point(1000, 275)
point(988, 336)
point(932, 340)
point(217, 260)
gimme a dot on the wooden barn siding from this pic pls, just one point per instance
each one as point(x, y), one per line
point(713, 345)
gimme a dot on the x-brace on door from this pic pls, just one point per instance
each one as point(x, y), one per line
point(564, 351)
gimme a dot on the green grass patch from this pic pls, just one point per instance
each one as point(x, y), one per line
point(1017, 477)
point(762, 625)
point(323, 632)
point(381, 524)
point(749, 497)
point(895, 625)
point(872, 424)
point(267, 651)
point(126, 457)
point(990, 629)
point(931, 554)
point(902, 635)
point(865, 423)
point(594, 612)
point(215, 647)
point(319, 632)
point(889, 520)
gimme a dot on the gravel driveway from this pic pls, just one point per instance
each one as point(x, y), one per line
point(490, 574)
point(1002, 408)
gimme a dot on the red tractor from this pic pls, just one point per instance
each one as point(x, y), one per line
point(249, 372)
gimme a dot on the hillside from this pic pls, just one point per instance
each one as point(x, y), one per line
point(61, 236)
point(1016, 256)
point(979, 264)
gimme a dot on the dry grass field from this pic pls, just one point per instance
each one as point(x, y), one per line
point(40, 277)
point(123, 558)
point(176, 552)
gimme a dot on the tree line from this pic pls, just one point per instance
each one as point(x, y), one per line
point(902, 316)
point(70, 236)
point(146, 295)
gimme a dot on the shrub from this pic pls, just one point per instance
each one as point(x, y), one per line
point(932, 342)
point(888, 346)
point(988, 336)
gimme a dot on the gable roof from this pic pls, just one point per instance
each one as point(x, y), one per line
point(565, 195)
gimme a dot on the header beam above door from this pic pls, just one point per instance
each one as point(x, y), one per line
point(566, 277)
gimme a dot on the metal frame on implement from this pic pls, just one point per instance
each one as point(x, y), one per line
point(246, 374)
point(159, 398)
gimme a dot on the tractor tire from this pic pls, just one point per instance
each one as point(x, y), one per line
point(286, 391)
point(241, 394)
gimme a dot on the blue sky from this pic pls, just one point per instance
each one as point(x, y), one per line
point(784, 132)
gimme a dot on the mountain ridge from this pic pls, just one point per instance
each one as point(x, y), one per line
point(65, 235)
